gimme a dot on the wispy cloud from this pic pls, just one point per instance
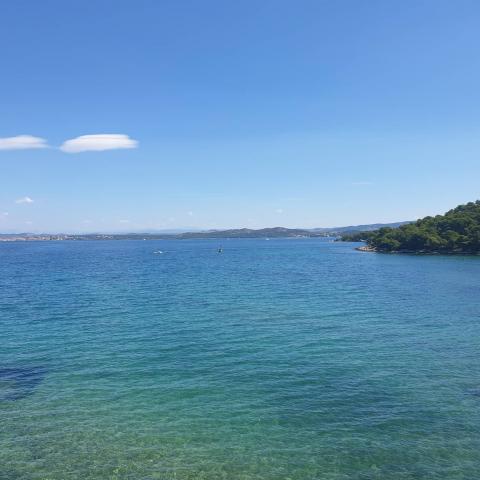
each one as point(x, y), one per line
point(22, 142)
point(24, 200)
point(98, 142)
point(84, 143)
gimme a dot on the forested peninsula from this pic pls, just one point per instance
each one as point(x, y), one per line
point(457, 231)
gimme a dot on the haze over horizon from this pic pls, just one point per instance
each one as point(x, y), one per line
point(177, 230)
point(215, 115)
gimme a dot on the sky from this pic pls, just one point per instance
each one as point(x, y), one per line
point(151, 115)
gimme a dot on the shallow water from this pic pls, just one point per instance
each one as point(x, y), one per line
point(287, 359)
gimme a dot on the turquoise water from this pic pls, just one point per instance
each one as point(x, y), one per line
point(281, 359)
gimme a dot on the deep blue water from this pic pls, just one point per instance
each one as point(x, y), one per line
point(281, 359)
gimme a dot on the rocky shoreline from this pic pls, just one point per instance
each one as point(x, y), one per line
point(366, 248)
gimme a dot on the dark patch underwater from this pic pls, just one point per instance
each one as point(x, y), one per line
point(20, 382)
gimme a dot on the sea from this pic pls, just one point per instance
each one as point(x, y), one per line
point(286, 359)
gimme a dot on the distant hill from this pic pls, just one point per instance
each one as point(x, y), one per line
point(359, 228)
point(275, 232)
point(457, 231)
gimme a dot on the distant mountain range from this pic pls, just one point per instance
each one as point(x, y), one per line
point(278, 232)
point(275, 232)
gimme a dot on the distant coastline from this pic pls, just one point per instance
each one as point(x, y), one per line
point(264, 233)
point(275, 232)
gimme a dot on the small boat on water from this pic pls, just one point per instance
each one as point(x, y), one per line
point(157, 252)
point(220, 250)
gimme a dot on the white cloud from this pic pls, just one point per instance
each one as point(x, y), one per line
point(98, 142)
point(5, 214)
point(124, 221)
point(24, 200)
point(190, 214)
point(22, 142)
point(279, 210)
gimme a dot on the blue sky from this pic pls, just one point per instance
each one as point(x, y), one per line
point(231, 114)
